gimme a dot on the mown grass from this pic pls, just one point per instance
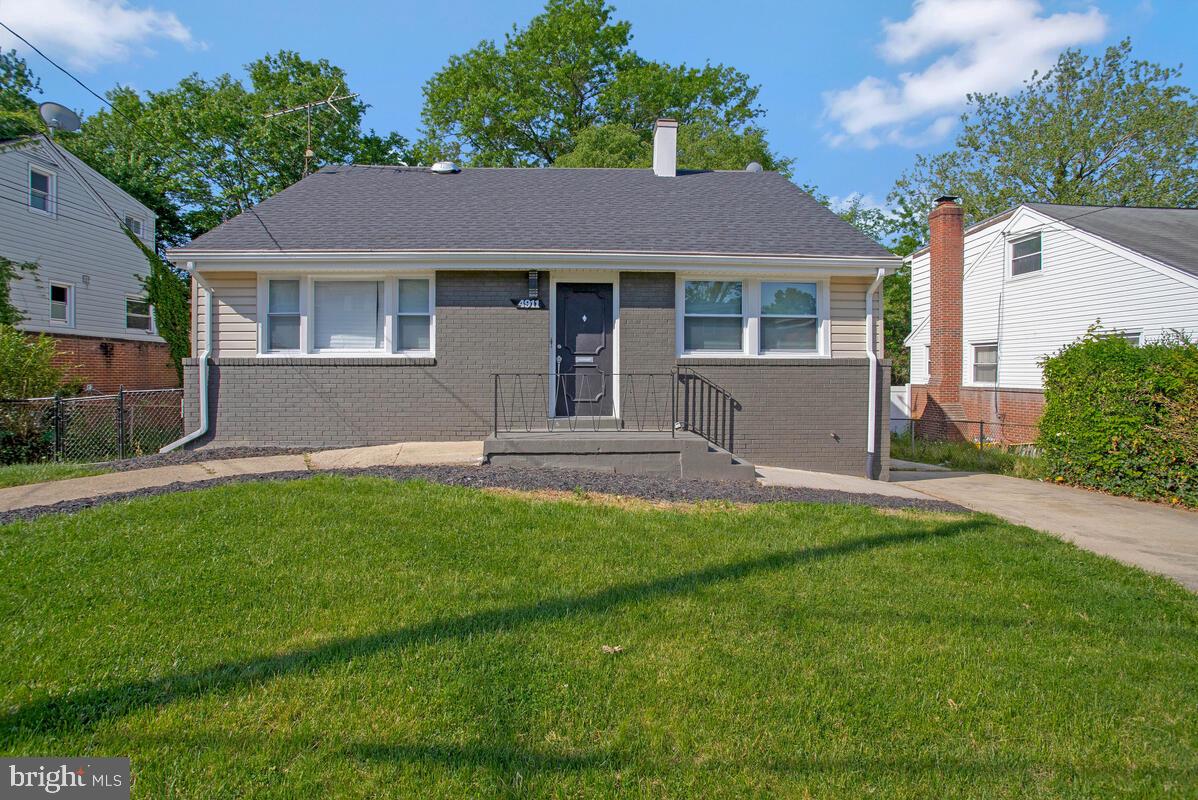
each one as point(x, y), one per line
point(354, 638)
point(22, 474)
point(966, 457)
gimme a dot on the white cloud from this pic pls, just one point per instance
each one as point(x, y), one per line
point(983, 46)
point(90, 32)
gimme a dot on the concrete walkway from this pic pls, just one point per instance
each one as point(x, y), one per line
point(390, 455)
point(805, 479)
point(1147, 535)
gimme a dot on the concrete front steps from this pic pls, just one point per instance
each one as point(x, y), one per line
point(683, 455)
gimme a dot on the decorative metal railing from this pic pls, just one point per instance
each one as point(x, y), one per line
point(679, 400)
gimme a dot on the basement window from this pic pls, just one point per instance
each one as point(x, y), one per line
point(1025, 255)
point(985, 363)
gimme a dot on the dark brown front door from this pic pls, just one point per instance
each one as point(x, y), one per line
point(584, 345)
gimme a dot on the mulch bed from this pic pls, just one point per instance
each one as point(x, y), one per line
point(639, 486)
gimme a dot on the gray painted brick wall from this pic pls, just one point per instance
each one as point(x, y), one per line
point(317, 402)
point(806, 413)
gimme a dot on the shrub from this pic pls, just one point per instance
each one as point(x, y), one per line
point(26, 370)
point(1123, 418)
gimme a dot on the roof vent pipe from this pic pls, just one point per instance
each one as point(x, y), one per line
point(444, 168)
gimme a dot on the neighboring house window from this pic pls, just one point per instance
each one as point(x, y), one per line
point(413, 319)
point(60, 302)
point(347, 315)
point(134, 224)
point(789, 318)
point(1025, 255)
point(985, 363)
point(283, 316)
point(41, 190)
point(1131, 337)
point(137, 314)
point(712, 316)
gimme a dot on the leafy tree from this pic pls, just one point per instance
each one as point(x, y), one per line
point(27, 366)
point(702, 144)
point(18, 111)
point(10, 271)
point(204, 150)
point(1107, 130)
point(560, 84)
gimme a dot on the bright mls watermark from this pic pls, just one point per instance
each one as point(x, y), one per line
point(83, 778)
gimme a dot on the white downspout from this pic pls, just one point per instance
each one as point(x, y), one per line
point(871, 336)
point(203, 366)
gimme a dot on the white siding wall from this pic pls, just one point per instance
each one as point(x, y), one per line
point(1035, 315)
point(235, 307)
point(920, 310)
point(82, 245)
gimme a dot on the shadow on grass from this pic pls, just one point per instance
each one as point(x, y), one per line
point(481, 755)
point(89, 707)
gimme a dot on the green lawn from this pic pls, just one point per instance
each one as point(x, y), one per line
point(966, 456)
point(354, 637)
point(21, 474)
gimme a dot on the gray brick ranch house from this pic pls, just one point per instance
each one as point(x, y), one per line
point(376, 304)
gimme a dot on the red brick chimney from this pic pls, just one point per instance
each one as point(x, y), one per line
point(947, 232)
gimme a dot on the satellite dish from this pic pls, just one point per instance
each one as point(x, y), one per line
point(753, 167)
point(58, 117)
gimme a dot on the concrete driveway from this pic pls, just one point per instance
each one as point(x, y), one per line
point(1147, 535)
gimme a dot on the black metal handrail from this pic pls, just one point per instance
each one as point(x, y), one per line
point(648, 401)
point(707, 409)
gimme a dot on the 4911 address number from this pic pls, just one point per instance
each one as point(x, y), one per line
point(527, 303)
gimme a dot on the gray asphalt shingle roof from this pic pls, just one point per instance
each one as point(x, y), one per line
point(372, 208)
point(1168, 235)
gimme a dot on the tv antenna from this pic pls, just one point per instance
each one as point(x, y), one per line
point(308, 108)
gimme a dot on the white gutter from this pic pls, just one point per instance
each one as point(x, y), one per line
point(521, 259)
point(871, 337)
point(203, 367)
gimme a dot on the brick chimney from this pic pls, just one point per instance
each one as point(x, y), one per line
point(665, 148)
point(947, 232)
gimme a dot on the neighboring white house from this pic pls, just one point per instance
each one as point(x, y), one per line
point(58, 212)
point(1034, 279)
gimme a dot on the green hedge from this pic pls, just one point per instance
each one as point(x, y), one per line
point(1122, 418)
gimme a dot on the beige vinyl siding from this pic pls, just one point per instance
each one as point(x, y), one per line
point(235, 307)
point(848, 316)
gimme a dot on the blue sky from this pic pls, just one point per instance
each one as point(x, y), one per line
point(853, 90)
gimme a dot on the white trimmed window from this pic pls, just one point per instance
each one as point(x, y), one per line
point(347, 315)
point(327, 314)
point(413, 317)
point(985, 363)
point(60, 302)
point(283, 316)
point(137, 314)
point(789, 317)
point(1026, 255)
point(713, 316)
point(751, 317)
point(42, 190)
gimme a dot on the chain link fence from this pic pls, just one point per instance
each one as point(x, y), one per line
point(90, 428)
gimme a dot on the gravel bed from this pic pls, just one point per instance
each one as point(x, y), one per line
point(639, 486)
point(176, 457)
